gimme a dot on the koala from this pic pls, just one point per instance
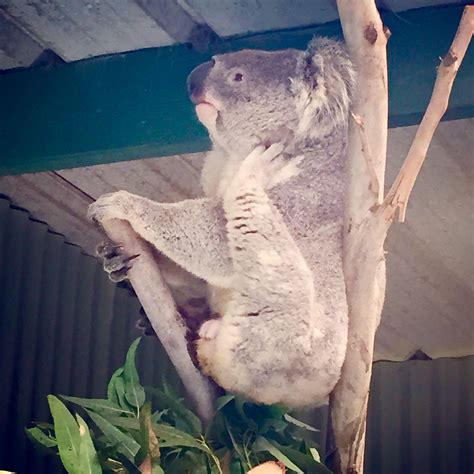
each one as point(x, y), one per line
point(267, 237)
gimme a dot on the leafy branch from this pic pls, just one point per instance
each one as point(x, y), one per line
point(126, 433)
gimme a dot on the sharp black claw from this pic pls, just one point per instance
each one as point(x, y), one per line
point(119, 275)
point(143, 323)
point(132, 257)
point(107, 250)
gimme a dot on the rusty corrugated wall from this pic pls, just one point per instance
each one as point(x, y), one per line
point(64, 328)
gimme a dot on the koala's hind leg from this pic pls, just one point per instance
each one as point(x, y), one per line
point(271, 275)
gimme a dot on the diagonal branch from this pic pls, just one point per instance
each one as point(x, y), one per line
point(397, 197)
point(160, 309)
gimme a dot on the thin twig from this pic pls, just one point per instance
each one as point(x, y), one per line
point(397, 197)
point(369, 159)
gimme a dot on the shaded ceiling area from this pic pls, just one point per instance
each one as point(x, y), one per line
point(69, 30)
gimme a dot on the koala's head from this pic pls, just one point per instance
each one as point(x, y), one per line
point(254, 97)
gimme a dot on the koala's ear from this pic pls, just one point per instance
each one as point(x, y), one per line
point(322, 85)
point(310, 68)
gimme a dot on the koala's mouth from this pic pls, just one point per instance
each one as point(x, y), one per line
point(206, 111)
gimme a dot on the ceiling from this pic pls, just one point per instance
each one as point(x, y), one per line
point(76, 29)
point(430, 259)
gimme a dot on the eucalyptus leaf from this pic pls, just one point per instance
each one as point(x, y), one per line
point(236, 467)
point(126, 422)
point(263, 444)
point(101, 406)
point(87, 454)
point(223, 401)
point(298, 423)
point(67, 435)
point(238, 449)
point(126, 445)
point(134, 391)
point(116, 390)
point(314, 452)
point(158, 415)
point(115, 466)
point(41, 438)
point(44, 426)
point(186, 461)
point(164, 401)
point(305, 461)
point(171, 437)
point(149, 446)
point(239, 404)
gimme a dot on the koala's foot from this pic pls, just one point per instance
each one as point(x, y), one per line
point(144, 325)
point(209, 329)
point(115, 262)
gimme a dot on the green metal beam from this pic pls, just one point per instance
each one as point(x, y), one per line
point(134, 105)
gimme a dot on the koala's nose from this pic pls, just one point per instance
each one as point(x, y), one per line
point(196, 80)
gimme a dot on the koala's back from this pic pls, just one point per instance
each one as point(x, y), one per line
point(312, 206)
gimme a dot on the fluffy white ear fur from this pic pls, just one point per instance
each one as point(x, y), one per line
point(322, 86)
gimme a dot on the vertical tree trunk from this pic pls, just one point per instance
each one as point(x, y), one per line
point(367, 220)
point(364, 231)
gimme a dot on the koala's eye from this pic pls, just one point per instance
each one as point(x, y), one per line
point(238, 77)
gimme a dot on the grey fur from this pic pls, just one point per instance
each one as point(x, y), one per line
point(268, 236)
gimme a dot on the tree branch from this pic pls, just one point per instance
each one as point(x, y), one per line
point(364, 233)
point(366, 220)
point(397, 197)
point(160, 308)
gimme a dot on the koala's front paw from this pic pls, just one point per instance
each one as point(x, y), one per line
point(262, 164)
point(110, 206)
point(115, 262)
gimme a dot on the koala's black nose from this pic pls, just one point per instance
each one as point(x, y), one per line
point(196, 80)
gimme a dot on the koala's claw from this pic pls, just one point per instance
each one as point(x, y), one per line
point(115, 263)
point(144, 325)
point(107, 250)
point(118, 262)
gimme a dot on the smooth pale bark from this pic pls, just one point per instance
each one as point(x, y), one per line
point(160, 309)
point(367, 220)
point(364, 232)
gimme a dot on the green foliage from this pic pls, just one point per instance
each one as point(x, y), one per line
point(124, 432)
